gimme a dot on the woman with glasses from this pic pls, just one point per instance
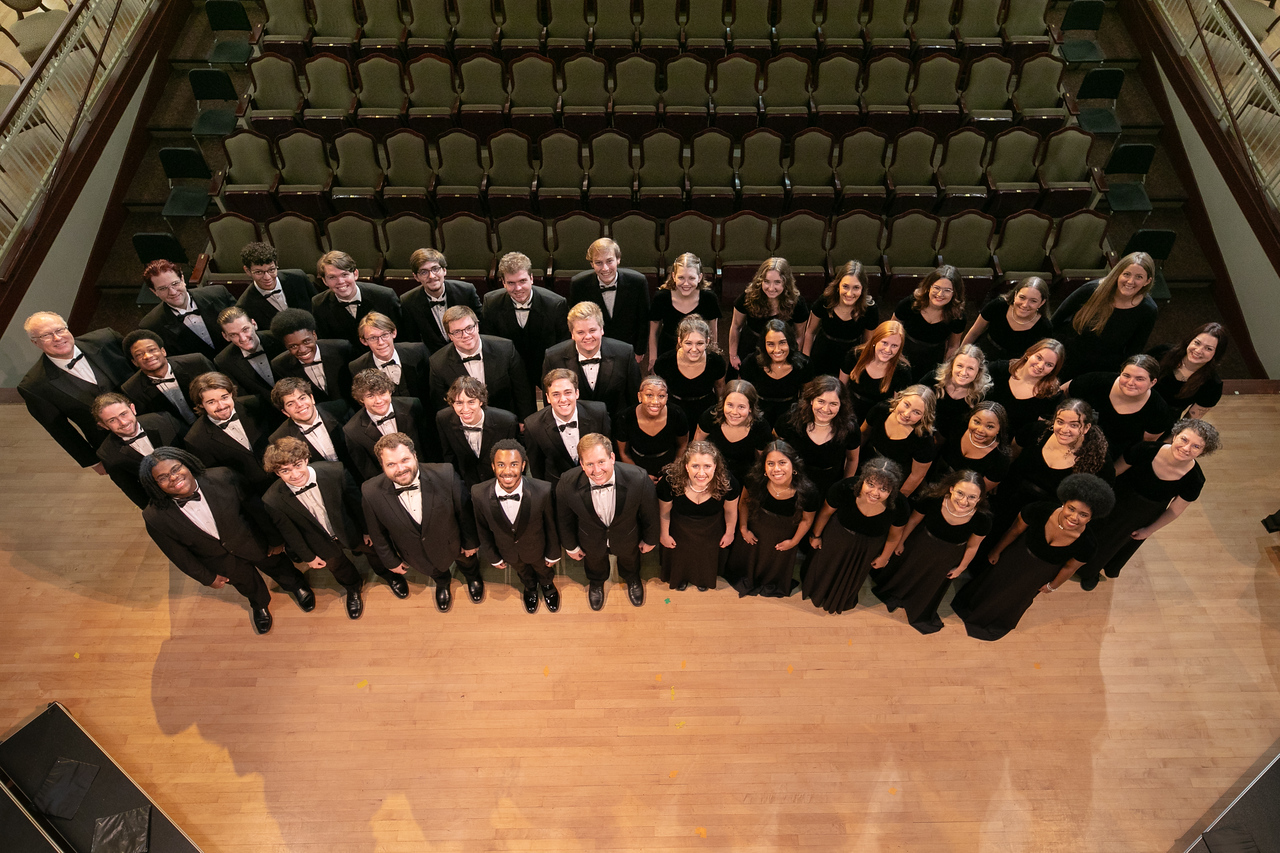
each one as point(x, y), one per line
point(933, 319)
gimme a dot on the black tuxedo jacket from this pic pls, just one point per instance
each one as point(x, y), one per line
point(456, 450)
point(334, 415)
point(214, 447)
point(531, 540)
point(335, 355)
point(242, 532)
point(297, 291)
point(303, 535)
point(333, 320)
point(63, 403)
point(362, 435)
point(629, 321)
point(121, 461)
point(178, 339)
point(617, 381)
point(548, 457)
point(415, 369)
point(504, 375)
point(635, 518)
point(419, 321)
point(547, 325)
point(231, 361)
point(432, 546)
point(142, 391)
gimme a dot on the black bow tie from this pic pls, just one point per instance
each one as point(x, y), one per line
point(606, 288)
point(182, 315)
point(315, 426)
point(253, 354)
point(167, 380)
point(596, 488)
point(592, 360)
point(442, 302)
point(381, 421)
point(141, 435)
point(72, 362)
point(228, 421)
point(194, 496)
point(304, 488)
point(523, 307)
point(402, 489)
point(392, 363)
point(514, 497)
point(475, 357)
point(569, 425)
point(355, 302)
point(466, 428)
point(267, 293)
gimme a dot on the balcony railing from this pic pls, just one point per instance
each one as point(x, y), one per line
point(39, 126)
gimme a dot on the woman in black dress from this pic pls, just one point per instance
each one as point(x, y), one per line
point(775, 513)
point(960, 383)
point(983, 447)
point(771, 293)
point(652, 434)
point(856, 530)
point(843, 317)
point(1013, 321)
point(1106, 321)
point(736, 426)
point(876, 370)
point(1128, 410)
point(686, 291)
point(1028, 388)
point(946, 526)
point(697, 515)
point(1155, 484)
point(1046, 544)
point(902, 430)
point(694, 370)
point(933, 317)
point(822, 429)
point(778, 370)
point(1189, 380)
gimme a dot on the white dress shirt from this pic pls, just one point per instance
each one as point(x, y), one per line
point(391, 368)
point(473, 434)
point(139, 442)
point(591, 371)
point(194, 322)
point(311, 499)
point(353, 307)
point(412, 500)
point(609, 296)
point(274, 296)
point(318, 437)
point(569, 434)
point(474, 368)
point(315, 371)
point(605, 500)
point(511, 508)
point(81, 370)
point(168, 386)
point(201, 516)
point(235, 429)
point(386, 427)
point(437, 311)
point(259, 362)
point(522, 311)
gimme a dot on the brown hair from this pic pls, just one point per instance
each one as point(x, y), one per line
point(830, 297)
point(1096, 312)
point(678, 476)
point(746, 389)
point(558, 373)
point(925, 393)
point(594, 439)
point(337, 260)
point(110, 398)
point(1196, 380)
point(156, 268)
point(284, 451)
point(954, 308)
point(289, 385)
point(513, 263)
point(758, 304)
point(421, 257)
point(1048, 385)
point(209, 382)
point(377, 321)
point(800, 415)
point(230, 315)
point(470, 386)
point(688, 259)
point(390, 441)
point(371, 381)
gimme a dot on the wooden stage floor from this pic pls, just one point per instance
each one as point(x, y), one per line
point(1119, 720)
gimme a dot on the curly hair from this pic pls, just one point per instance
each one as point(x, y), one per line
point(795, 358)
point(1089, 490)
point(739, 386)
point(1096, 312)
point(1048, 385)
point(867, 352)
point(975, 390)
point(159, 497)
point(292, 320)
point(758, 304)
point(925, 393)
point(1208, 433)
point(758, 481)
point(289, 385)
point(882, 472)
point(800, 415)
point(1173, 358)
point(285, 450)
point(678, 476)
point(1092, 450)
point(830, 297)
point(953, 309)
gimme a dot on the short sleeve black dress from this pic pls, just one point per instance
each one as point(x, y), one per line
point(951, 415)
point(992, 603)
point(835, 337)
point(692, 395)
point(1125, 334)
point(824, 463)
point(1019, 412)
point(1171, 388)
point(917, 579)
point(776, 395)
point(652, 452)
point(753, 328)
point(697, 530)
point(850, 542)
point(905, 451)
point(1000, 340)
point(761, 569)
point(1122, 431)
point(864, 392)
point(661, 310)
point(926, 343)
point(994, 466)
point(739, 455)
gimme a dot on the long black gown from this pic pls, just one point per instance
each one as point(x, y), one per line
point(1000, 340)
point(1169, 387)
point(652, 452)
point(694, 395)
point(776, 395)
point(823, 463)
point(1122, 431)
point(865, 391)
point(835, 337)
point(992, 603)
point(951, 416)
point(661, 310)
point(926, 343)
point(738, 455)
point(753, 327)
point(850, 542)
point(904, 451)
point(1019, 412)
point(1125, 333)
point(761, 569)
point(994, 466)
point(697, 530)
point(917, 580)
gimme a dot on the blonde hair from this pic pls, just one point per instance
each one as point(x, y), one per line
point(585, 311)
point(925, 393)
point(604, 243)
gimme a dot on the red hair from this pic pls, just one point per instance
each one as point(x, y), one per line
point(155, 268)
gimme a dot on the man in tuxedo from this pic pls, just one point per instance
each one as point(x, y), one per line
point(273, 289)
point(347, 299)
point(186, 320)
point(417, 516)
point(132, 436)
point(469, 429)
point(607, 369)
point(315, 507)
point(407, 364)
point(319, 425)
point(212, 529)
point(553, 431)
point(233, 432)
point(621, 293)
point(60, 387)
point(493, 361)
point(516, 525)
point(381, 414)
point(247, 356)
point(161, 383)
point(531, 317)
point(321, 361)
point(607, 507)
point(422, 309)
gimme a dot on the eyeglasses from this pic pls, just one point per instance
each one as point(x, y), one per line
point(434, 269)
point(465, 331)
point(941, 291)
point(259, 272)
point(174, 474)
point(377, 339)
point(49, 336)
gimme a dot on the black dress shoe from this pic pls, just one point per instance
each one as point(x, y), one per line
point(531, 600)
point(476, 589)
point(1111, 573)
point(1272, 523)
point(595, 595)
point(305, 597)
point(635, 591)
point(552, 595)
point(355, 604)
point(443, 598)
point(702, 589)
point(682, 587)
point(399, 586)
point(261, 620)
point(1089, 582)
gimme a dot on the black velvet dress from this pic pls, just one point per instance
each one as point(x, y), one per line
point(776, 395)
point(835, 337)
point(661, 310)
point(850, 542)
point(697, 530)
point(739, 455)
point(694, 395)
point(761, 569)
point(652, 452)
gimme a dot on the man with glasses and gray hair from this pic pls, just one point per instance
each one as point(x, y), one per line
point(492, 360)
point(60, 388)
point(422, 309)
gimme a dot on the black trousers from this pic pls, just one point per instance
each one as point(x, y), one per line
point(596, 565)
point(281, 569)
point(245, 578)
point(534, 573)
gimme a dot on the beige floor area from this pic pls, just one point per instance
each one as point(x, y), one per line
point(1119, 720)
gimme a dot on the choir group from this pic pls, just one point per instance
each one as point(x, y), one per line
point(901, 443)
